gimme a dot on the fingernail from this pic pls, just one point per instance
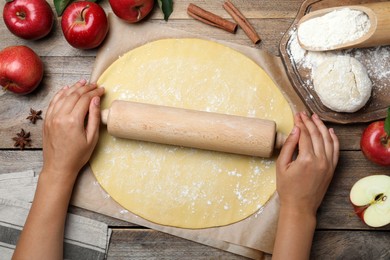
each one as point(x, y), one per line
point(96, 101)
point(331, 130)
point(303, 113)
point(294, 130)
point(82, 81)
point(66, 87)
point(315, 116)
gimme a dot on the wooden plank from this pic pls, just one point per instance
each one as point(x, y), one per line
point(150, 244)
point(351, 167)
point(18, 161)
point(52, 45)
point(336, 211)
point(349, 135)
point(252, 9)
point(351, 245)
point(73, 65)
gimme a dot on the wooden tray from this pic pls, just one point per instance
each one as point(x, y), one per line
point(376, 60)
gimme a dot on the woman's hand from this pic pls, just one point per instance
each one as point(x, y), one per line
point(68, 141)
point(303, 182)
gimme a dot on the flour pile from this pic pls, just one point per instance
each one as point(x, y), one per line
point(334, 28)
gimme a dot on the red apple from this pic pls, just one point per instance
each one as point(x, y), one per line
point(370, 197)
point(131, 11)
point(84, 25)
point(21, 69)
point(28, 19)
point(375, 142)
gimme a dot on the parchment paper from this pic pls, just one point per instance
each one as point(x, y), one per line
point(250, 237)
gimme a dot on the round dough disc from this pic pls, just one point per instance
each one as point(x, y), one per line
point(178, 186)
point(342, 84)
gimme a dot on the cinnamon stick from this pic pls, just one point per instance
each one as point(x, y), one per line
point(211, 19)
point(242, 21)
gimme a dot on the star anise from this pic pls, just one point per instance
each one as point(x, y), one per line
point(34, 115)
point(22, 139)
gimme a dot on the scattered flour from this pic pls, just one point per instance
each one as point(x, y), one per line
point(308, 59)
point(377, 63)
point(123, 211)
point(334, 28)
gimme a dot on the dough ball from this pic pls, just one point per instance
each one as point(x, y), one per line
point(342, 84)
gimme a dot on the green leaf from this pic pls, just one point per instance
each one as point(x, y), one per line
point(387, 123)
point(60, 6)
point(166, 7)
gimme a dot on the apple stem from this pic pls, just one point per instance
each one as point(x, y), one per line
point(385, 140)
point(82, 12)
point(5, 88)
point(21, 15)
point(139, 14)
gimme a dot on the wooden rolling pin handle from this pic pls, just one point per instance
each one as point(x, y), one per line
point(280, 140)
point(104, 116)
point(190, 128)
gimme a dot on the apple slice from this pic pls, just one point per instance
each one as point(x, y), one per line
point(370, 197)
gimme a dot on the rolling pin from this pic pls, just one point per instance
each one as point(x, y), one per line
point(190, 128)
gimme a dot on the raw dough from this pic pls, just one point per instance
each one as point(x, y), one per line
point(342, 84)
point(184, 187)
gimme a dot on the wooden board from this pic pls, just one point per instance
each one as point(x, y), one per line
point(371, 58)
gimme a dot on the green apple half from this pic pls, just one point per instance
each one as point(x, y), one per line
point(370, 197)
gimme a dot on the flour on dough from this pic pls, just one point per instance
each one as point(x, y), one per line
point(178, 186)
point(342, 84)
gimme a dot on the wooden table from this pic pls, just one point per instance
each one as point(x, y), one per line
point(340, 234)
